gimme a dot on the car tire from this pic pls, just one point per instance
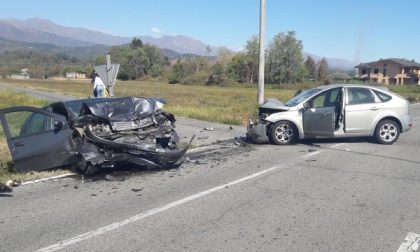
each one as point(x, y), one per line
point(283, 133)
point(387, 132)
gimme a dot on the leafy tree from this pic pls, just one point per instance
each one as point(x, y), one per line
point(216, 77)
point(136, 43)
point(238, 68)
point(323, 76)
point(252, 50)
point(285, 58)
point(177, 72)
point(310, 66)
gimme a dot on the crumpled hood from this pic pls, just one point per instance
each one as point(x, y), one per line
point(273, 105)
point(123, 109)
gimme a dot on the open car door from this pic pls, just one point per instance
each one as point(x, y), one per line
point(37, 139)
point(320, 114)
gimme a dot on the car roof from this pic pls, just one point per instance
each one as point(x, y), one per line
point(325, 87)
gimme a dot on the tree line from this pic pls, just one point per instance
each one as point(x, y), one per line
point(284, 63)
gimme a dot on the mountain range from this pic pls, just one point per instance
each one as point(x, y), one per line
point(46, 35)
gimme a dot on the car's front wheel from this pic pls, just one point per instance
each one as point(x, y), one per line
point(387, 132)
point(283, 133)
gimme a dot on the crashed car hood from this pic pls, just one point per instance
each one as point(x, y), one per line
point(273, 105)
point(122, 109)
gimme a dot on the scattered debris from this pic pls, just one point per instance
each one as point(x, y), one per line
point(66, 185)
point(311, 160)
point(93, 194)
point(203, 137)
point(136, 189)
point(188, 160)
point(76, 187)
point(114, 178)
point(231, 128)
point(5, 187)
point(15, 183)
point(311, 150)
point(208, 128)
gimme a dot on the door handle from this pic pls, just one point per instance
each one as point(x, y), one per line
point(374, 108)
point(18, 144)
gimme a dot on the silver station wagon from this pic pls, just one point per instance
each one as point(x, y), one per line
point(333, 111)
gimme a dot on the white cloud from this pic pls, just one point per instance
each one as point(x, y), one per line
point(155, 30)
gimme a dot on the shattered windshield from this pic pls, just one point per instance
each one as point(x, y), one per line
point(302, 96)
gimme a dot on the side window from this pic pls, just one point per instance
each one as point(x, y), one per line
point(360, 96)
point(325, 99)
point(382, 96)
point(25, 123)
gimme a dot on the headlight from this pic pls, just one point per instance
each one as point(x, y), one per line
point(159, 105)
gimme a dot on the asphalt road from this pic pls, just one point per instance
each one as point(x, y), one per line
point(351, 195)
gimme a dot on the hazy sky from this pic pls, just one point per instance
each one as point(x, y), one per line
point(359, 30)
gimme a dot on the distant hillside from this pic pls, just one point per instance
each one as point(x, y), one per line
point(45, 31)
point(334, 63)
point(83, 53)
point(37, 30)
point(182, 44)
point(88, 42)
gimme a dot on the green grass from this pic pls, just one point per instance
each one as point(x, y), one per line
point(412, 92)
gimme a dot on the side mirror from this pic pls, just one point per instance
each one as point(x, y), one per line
point(58, 124)
point(306, 105)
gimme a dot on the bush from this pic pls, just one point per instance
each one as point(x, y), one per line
point(198, 78)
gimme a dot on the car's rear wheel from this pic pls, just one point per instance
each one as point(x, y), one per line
point(387, 132)
point(283, 133)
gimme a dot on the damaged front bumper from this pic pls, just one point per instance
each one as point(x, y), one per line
point(103, 152)
point(257, 133)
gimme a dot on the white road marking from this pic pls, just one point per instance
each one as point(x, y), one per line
point(320, 151)
point(116, 225)
point(337, 145)
point(47, 179)
point(411, 243)
point(312, 154)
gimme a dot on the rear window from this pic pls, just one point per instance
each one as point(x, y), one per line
point(384, 97)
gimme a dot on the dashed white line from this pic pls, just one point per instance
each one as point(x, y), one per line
point(411, 243)
point(116, 225)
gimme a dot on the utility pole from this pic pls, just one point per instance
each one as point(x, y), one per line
point(109, 85)
point(262, 55)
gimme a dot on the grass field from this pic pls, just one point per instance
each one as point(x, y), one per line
point(230, 105)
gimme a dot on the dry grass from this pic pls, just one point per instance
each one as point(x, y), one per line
point(231, 105)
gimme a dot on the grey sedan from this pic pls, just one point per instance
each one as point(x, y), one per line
point(333, 111)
